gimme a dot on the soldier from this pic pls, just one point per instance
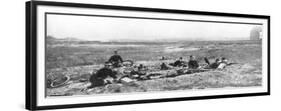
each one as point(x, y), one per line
point(116, 60)
point(99, 78)
point(214, 65)
point(179, 62)
point(218, 64)
point(192, 63)
point(223, 63)
point(163, 66)
point(139, 72)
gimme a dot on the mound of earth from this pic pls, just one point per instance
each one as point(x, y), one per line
point(239, 75)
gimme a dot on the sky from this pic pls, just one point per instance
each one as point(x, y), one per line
point(118, 29)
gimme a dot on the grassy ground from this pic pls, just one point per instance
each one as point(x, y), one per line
point(80, 61)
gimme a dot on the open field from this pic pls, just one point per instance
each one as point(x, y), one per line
point(79, 60)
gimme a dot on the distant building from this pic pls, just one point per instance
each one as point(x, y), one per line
point(256, 33)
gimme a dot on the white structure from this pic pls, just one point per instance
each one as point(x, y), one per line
point(256, 33)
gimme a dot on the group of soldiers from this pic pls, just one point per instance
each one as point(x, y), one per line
point(192, 63)
point(99, 78)
point(219, 63)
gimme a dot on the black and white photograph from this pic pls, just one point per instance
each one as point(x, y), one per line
point(92, 55)
point(95, 55)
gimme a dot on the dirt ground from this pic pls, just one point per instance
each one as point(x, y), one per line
point(247, 72)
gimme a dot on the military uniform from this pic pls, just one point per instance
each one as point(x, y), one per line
point(115, 60)
point(98, 78)
point(193, 64)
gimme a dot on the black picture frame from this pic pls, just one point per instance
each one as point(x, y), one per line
point(31, 53)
